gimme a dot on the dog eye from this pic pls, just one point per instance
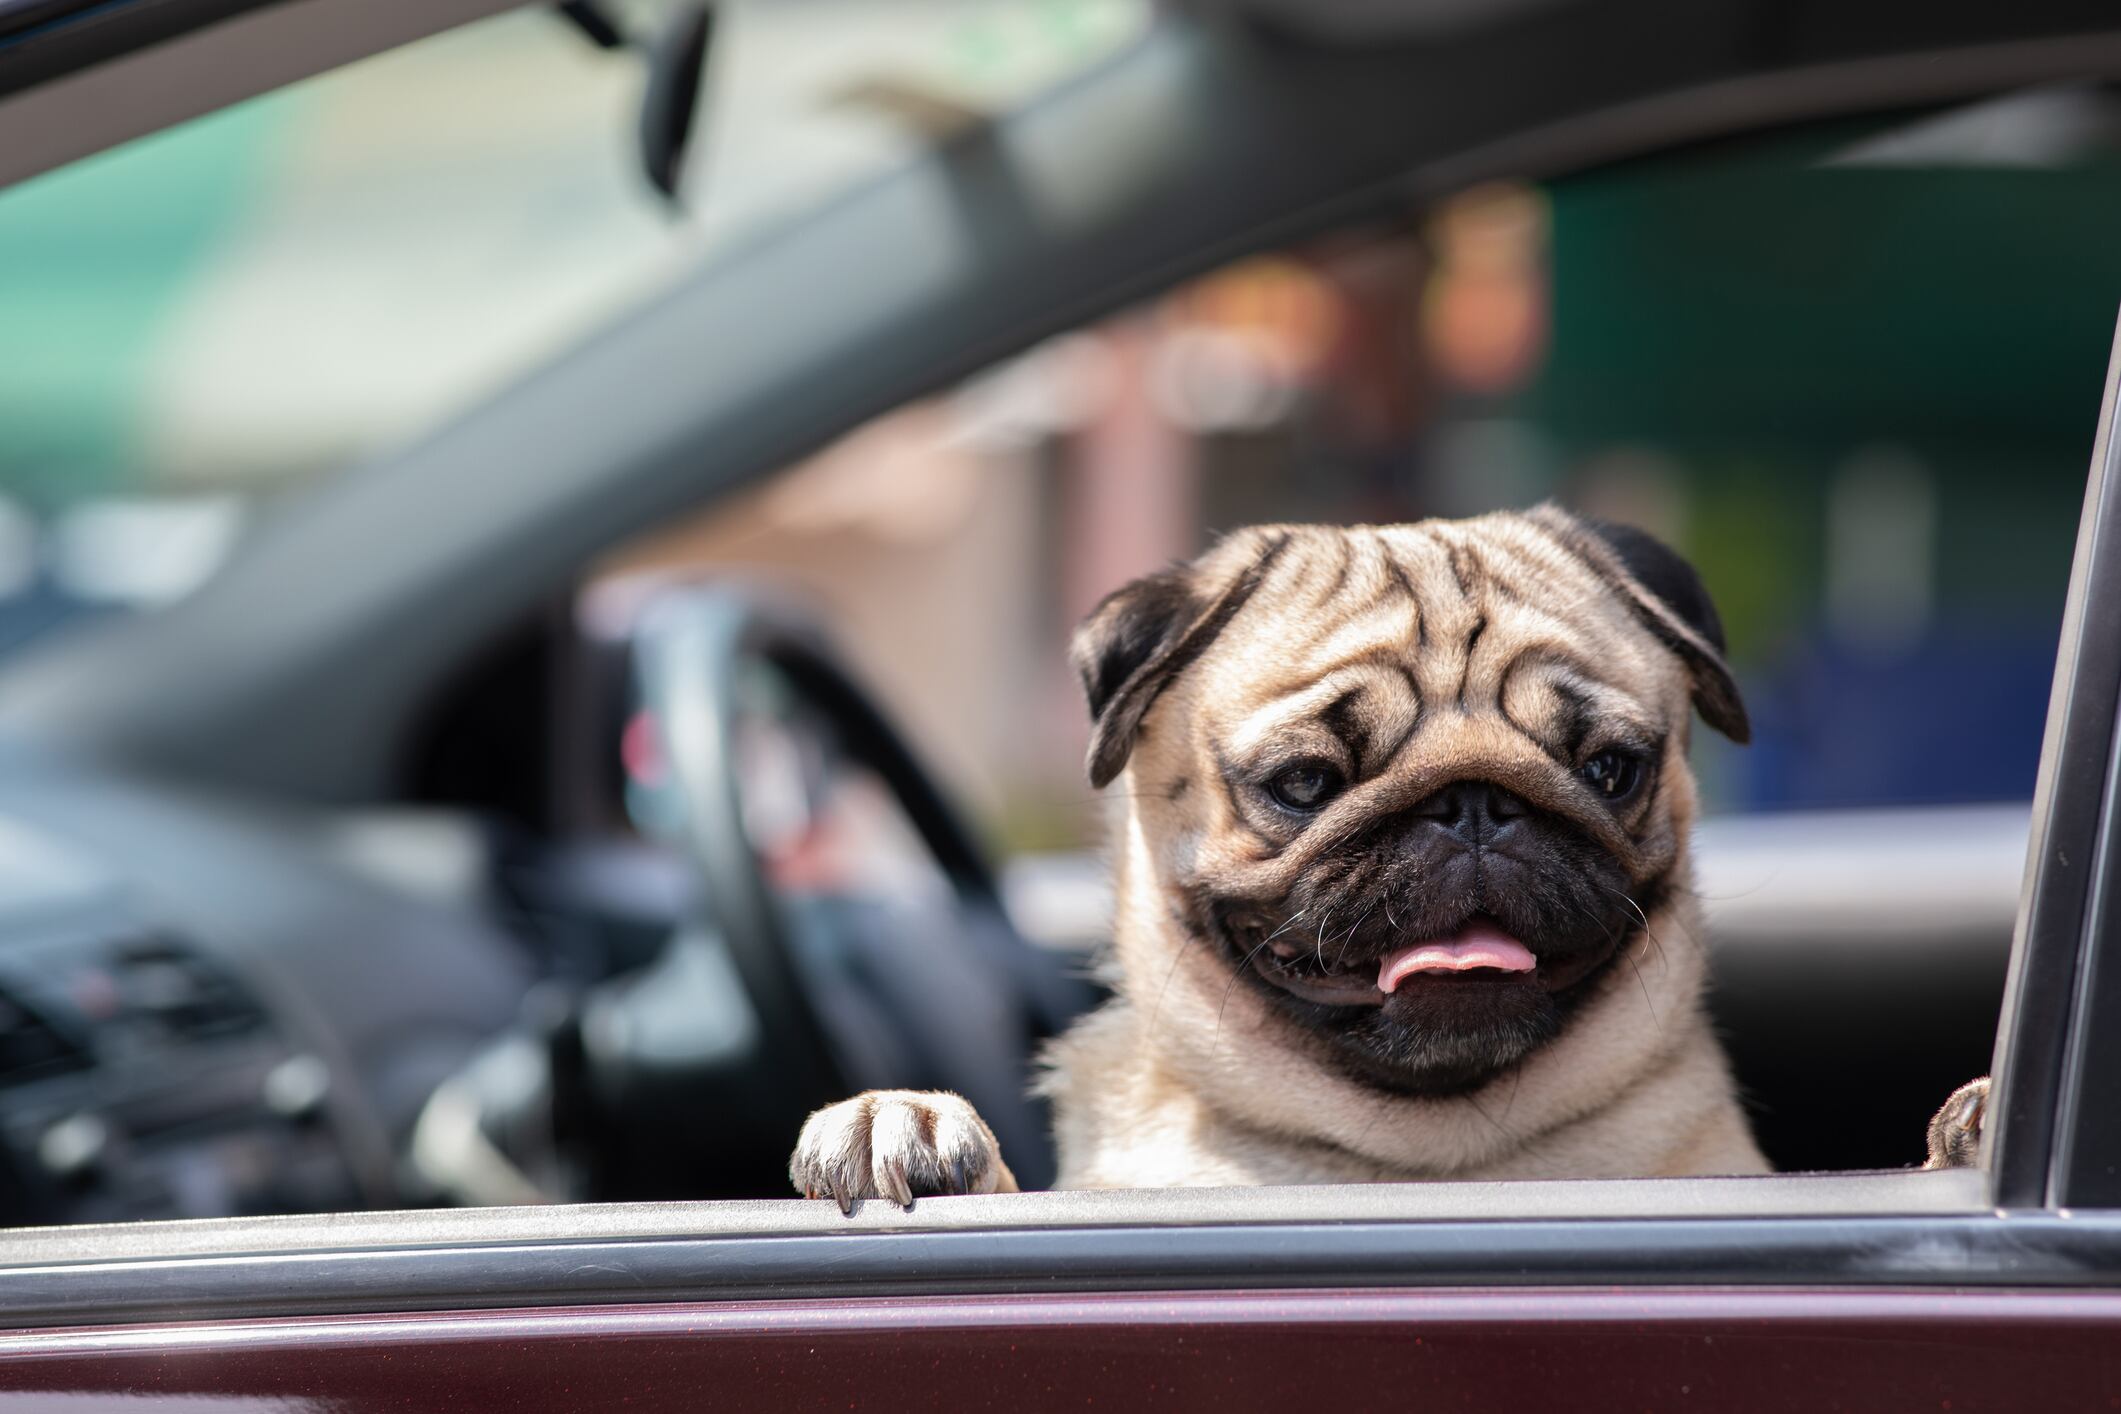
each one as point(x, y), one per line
point(1613, 774)
point(1305, 787)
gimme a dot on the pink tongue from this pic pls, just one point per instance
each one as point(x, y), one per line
point(1478, 944)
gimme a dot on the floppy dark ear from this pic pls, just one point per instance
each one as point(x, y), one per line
point(1140, 638)
point(1669, 597)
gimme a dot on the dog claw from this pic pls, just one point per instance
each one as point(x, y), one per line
point(892, 1180)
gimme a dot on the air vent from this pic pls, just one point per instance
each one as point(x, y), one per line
point(163, 983)
point(31, 1048)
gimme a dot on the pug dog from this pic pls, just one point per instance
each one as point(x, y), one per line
point(1402, 883)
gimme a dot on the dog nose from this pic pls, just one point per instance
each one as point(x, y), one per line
point(1477, 812)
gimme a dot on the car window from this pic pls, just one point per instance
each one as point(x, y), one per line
point(1870, 441)
point(1870, 437)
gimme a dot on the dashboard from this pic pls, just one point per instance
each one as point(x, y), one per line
point(204, 1011)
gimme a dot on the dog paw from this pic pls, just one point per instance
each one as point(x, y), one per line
point(897, 1144)
point(1955, 1130)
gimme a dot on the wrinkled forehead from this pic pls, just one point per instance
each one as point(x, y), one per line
point(1381, 627)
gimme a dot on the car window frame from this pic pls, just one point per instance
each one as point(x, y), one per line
point(2058, 1049)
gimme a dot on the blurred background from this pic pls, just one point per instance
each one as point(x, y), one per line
point(1851, 371)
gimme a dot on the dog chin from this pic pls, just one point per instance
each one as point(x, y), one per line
point(1443, 1036)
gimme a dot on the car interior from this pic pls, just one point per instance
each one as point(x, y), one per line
point(629, 709)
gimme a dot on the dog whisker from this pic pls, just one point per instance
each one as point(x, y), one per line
point(1627, 953)
point(1215, 1038)
point(1285, 927)
point(1178, 955)
point(1645, 987)
point(1326, 918)
point(1641, 918)
point(1348, 936)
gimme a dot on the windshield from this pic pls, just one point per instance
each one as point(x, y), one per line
point(208, 318)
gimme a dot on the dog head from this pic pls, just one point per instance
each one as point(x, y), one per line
point(1415, 787)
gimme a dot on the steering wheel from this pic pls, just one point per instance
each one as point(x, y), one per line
point(773, 1005)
